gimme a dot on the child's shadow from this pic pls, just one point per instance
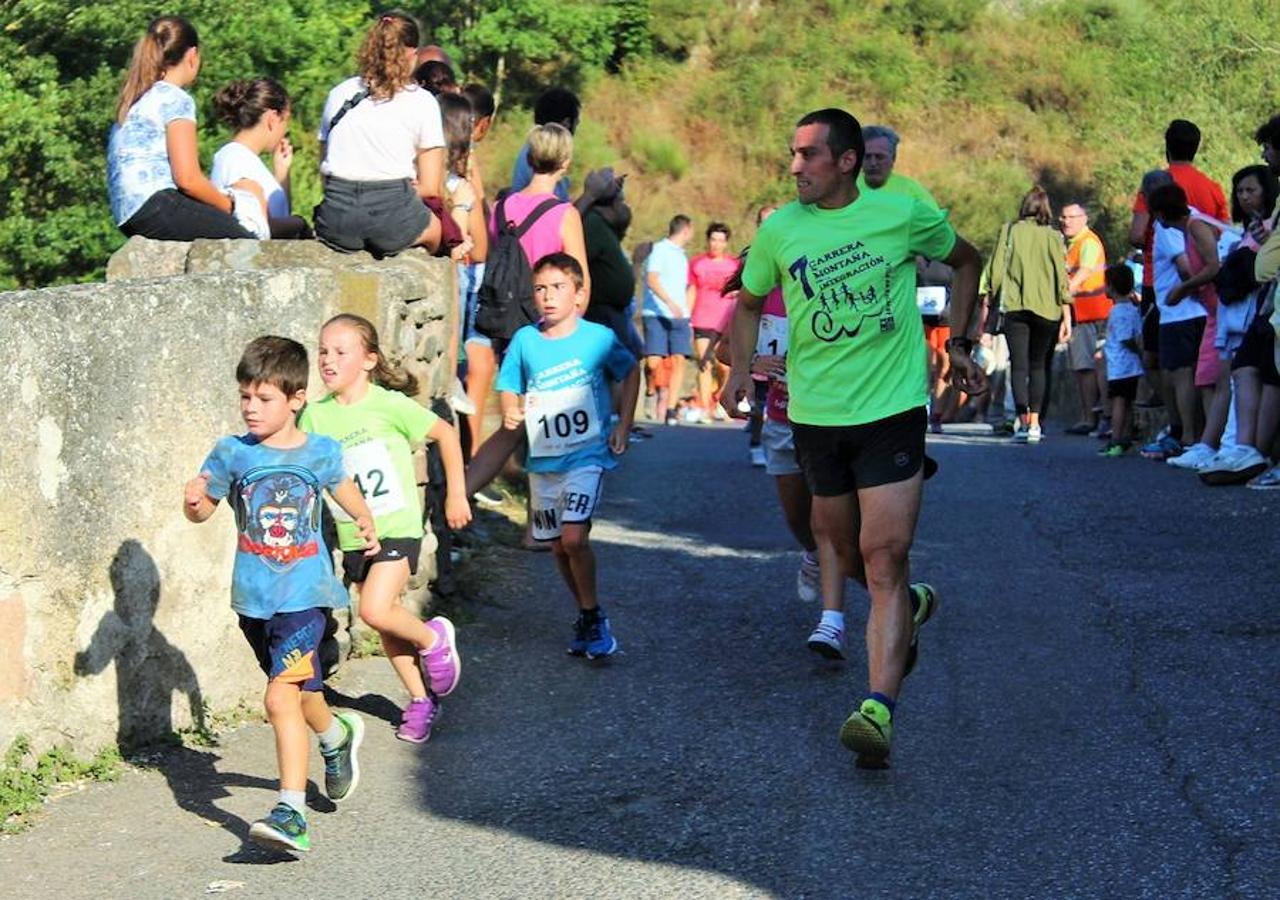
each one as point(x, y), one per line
point(148, 670)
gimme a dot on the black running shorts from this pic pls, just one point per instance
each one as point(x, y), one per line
point(839, 459)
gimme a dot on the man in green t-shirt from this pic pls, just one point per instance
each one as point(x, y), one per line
point(856, 378)
point(880, 155)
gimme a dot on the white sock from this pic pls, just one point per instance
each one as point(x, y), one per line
point(333, 736)
point(834, 618)
point(295, 799)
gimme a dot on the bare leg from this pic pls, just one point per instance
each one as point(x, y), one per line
point(1217, 408)
point(702, 353)
point(1184, 393)
point(293, 740)
point(1248, 401)
point(403, 634)
point(677, 379)
point(793, 495)
point(481, 366)
point(577, 562)
point(890, 512)
point(488, 460)
point(835, 532)
point(1119, 419)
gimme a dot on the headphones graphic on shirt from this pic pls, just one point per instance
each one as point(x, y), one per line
point(243, 487)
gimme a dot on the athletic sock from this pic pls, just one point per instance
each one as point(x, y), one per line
point(591, 615)
point(887, 701)
point(333, 736)
point(834, 618)
point(297, 800)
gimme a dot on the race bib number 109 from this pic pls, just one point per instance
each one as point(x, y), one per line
point(559, 422)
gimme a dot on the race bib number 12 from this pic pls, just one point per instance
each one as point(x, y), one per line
point(559, 422)
point(370, 467)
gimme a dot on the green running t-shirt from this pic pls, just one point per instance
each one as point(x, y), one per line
point(377, 437)
point(848, 279)
point(899, 184)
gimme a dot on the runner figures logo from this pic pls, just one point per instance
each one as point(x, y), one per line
point(851, 284)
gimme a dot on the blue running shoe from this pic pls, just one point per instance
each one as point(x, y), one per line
point(600, 639)
point(284, 828)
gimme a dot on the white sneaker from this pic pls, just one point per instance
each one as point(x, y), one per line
point(808, 582)
point(459, 400)
point(1235, 459)
point(1234, 465)
point(1034, 434)
point(757, 456)
point(827, 640)
point(1194, 458)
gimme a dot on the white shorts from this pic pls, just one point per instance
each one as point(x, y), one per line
point(779, 449)
point(559, 497)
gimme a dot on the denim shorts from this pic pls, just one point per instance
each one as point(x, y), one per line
point(383, 217)
point(667, 337)
point(470, 277)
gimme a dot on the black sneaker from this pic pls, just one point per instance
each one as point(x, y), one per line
point(341, 764)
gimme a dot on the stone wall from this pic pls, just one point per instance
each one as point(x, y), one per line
point(115, 621)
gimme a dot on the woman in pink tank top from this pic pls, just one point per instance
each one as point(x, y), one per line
point(558, 229)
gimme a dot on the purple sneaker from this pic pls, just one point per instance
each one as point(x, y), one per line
point(417, 719)
point(441, 665)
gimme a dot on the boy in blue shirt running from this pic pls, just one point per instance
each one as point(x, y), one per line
point(272, 477)
point(559, 369)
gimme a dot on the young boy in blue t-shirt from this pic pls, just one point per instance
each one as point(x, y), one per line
point(560, 367)
point(283, 581)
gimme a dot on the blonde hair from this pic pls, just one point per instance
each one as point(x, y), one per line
point(550, 147)
point(393, 378)
point(383, 64)
point(166, 41)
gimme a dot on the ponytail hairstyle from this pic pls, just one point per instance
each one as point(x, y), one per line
point(167, 40)
point(391, 377)
point(241, 104)
point(458, 118)
point(383, 64)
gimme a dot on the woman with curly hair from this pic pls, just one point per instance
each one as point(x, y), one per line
point(382, 148)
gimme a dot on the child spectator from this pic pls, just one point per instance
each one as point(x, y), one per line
point(283, 581)
point(154, 180)
point(375, 425)
point(1124, 355)
point(259, 112)
point(558, 368)
point(382, 150)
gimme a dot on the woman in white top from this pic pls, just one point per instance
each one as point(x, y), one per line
point(154, 180)
point(259, 111)
point(383, 150)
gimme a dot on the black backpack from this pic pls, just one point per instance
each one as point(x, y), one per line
point(505, 300)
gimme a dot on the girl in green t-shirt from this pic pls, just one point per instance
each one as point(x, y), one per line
point(369, 411)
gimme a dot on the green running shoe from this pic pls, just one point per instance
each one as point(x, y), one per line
point(282, 829)
point(924, 603)
point(342, 764)
point(869, 733)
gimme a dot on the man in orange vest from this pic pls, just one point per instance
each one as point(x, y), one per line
point(1086, 267)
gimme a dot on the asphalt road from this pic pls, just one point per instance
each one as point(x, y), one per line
point(1094, 714)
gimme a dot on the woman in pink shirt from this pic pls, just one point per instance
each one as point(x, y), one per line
point(559, 227)
point(712, 310)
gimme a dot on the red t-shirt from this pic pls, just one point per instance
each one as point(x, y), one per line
point(1203, 193)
